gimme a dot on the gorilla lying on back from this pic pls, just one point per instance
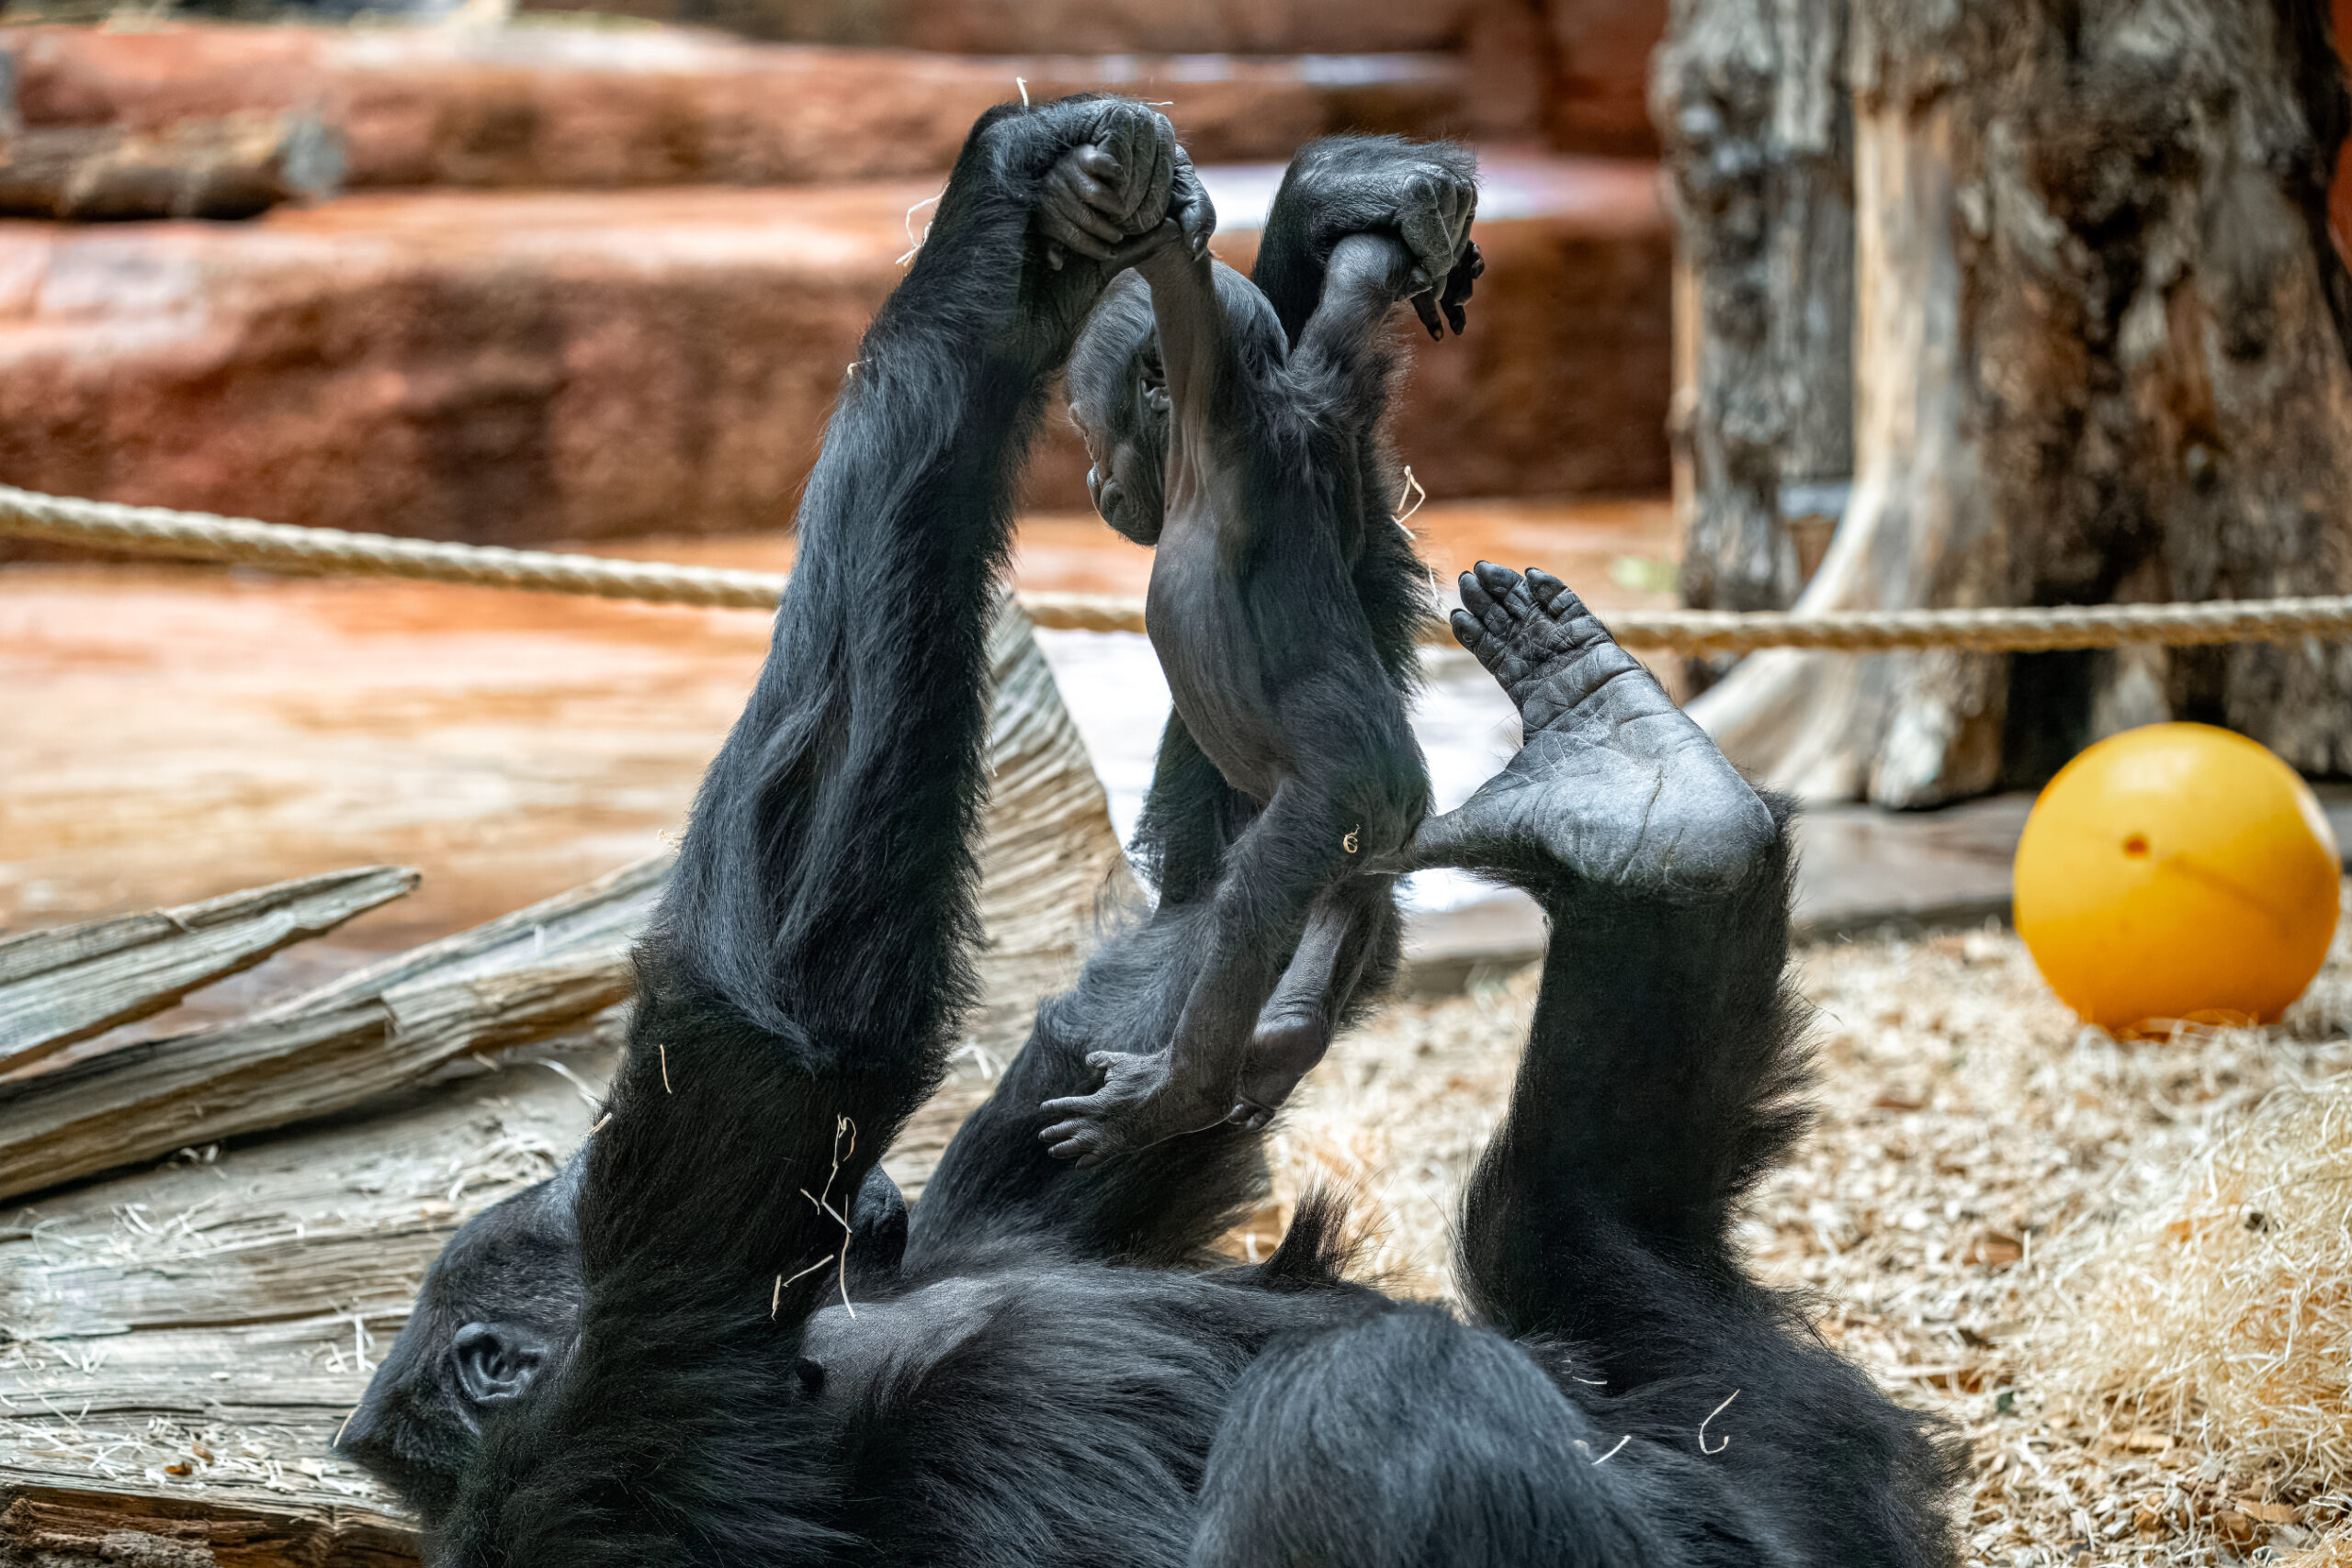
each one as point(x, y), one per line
point(665, 1357)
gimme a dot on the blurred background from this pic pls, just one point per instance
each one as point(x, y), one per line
point(541, 278)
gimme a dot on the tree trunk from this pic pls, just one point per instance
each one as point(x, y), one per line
point(2100, 354)
point(1750, 101)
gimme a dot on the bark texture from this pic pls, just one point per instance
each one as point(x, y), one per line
point(2100, 354)
point(1751, 104)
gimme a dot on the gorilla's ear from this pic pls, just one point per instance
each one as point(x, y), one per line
point(496, 1361)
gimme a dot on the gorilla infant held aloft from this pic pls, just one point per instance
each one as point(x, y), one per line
point(650, 1362)
point(1239, 457)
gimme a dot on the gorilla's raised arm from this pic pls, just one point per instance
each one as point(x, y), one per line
point(804, 976)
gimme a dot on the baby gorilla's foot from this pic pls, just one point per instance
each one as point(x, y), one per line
point(1613, 781)
point(1142, 1101)
point(1283, 1048)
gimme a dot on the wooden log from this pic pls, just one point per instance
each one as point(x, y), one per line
point(234, 166)
point(57, 987)
point(1751, 102)
point(518, 978)
point(76, 1524)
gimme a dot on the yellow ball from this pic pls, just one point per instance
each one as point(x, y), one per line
point(2176, 872)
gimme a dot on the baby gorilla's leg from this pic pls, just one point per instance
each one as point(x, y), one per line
point(1294, 1027)
point(1273, 874)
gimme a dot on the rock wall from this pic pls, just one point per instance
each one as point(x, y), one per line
point(506, 367)
point(589, 108)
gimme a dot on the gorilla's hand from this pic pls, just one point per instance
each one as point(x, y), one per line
point(1094, 181)
point(1086, 209)
point(1425, 194)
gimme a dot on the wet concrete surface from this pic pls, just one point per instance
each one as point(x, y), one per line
point(171, 733)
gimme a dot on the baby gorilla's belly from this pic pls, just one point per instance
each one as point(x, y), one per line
point(1201, 632)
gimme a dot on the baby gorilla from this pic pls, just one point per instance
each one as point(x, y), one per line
point(1256, 514)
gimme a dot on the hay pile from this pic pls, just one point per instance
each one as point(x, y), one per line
point(2035, 1231)
point(2227, 1305)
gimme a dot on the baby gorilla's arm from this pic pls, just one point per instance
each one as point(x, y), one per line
point(1343, 346)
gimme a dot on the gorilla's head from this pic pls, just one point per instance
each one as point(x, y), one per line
point(500, 1308)
point(1118, 398)
point(498, 1304)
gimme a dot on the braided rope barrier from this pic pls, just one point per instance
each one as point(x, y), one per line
point(155, 530)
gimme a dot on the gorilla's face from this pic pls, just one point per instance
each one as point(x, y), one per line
point(499, 1311)
point(1118, 395)
point(499, 1306)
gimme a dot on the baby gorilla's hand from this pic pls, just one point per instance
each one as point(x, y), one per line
point(1123, 191)
point(1425, 194)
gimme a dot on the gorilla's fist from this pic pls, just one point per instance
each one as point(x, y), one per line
point(1424, 193)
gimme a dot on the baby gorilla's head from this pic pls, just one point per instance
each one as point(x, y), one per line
point(1118, 398)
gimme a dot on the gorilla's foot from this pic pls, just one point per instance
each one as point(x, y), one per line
point(1144, 1100)
point(1612, 783)
point(1283, 1048)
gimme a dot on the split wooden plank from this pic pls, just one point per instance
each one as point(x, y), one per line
point(71, 1524)
point(521, 978)
point(57, 987)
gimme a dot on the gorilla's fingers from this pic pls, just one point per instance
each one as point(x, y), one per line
point(1505, 586)
point(1060, 230)
point(1073, 207)
point(1485, 605)
point(1103, 204)
point(1467, 629)
point(1189, 204)
point(1148, 193)
point(1545, 587)
point(1100, 163)
point(1507, 601)
point(1426, 228)
point(1425, 307)
point(1458, 285)
point(1142, 245)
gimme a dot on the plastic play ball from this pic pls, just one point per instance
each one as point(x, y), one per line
point(2176, 873)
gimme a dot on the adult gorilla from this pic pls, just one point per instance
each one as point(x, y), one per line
point(652, 1360)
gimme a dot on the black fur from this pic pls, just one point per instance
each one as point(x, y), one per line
point(1043, 1377)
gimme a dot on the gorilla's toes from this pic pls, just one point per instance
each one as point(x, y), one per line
point(1537, 639)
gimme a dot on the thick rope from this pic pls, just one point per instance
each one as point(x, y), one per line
point(153, 530)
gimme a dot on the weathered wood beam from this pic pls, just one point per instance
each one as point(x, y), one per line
point(521, 978)
point(79, 1523)
point(57, 987)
